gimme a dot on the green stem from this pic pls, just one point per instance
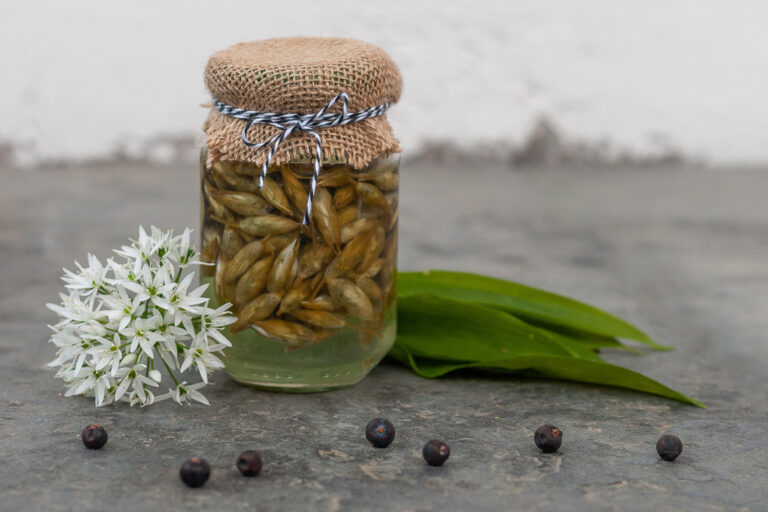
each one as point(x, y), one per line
point(169, 370)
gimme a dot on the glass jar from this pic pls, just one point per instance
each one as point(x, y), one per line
point(315, 303)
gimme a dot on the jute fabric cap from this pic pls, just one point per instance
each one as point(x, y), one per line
point(300, 75)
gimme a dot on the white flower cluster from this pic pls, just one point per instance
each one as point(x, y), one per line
point(123, 321)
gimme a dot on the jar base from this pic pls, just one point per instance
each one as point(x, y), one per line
point(338, 362)
point(329, 379)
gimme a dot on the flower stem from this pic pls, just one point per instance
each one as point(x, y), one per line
point(169, 370)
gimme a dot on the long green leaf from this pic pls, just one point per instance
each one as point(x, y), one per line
point(556, 367)
point(523, 301)
point(438, 335)
point(473, 332)
point(593, 341)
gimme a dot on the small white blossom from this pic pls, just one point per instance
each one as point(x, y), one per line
point(200, 354)
point(123, 322)
point(89, 379)
point(184, 393)
point(180, 303)
point(89, 280)
point(144, 248)
point(107, 353)
point(141, 333)
point(180, 251)
point(133, 378)
point(122, 308)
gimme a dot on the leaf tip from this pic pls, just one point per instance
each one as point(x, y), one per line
point(697, 403)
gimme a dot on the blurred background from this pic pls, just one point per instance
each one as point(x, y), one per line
point(595, 82)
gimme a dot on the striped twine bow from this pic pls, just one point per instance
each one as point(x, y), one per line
point(289, 123)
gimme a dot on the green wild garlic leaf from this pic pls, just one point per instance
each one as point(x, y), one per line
point(437, 335)
point(527, 303)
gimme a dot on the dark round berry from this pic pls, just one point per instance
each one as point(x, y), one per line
point(94, 437)
point(380, 432)
point(249, 463)
point(436, 452)
point(669, 446)
point(195, 472)
point(548, 438)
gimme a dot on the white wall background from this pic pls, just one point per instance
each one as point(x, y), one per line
point(81, 79)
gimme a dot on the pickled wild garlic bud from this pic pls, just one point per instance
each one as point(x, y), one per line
point(302, 284)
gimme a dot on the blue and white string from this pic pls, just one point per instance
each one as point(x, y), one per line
point(290, 123)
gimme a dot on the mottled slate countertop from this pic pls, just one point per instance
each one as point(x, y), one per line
point(681, 252)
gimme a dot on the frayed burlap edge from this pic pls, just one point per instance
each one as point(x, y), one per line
point(356, 144)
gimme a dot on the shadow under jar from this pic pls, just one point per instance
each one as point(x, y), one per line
point(315, 303)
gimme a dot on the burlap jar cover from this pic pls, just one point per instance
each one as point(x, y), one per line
point(300, 76)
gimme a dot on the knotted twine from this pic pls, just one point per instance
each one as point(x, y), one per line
point(288, 123)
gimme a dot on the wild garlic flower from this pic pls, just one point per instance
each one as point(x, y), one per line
point(125, 320)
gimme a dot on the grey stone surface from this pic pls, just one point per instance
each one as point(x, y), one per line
point(681, 252)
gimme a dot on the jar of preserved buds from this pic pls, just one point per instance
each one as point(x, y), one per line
point(299, 182)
